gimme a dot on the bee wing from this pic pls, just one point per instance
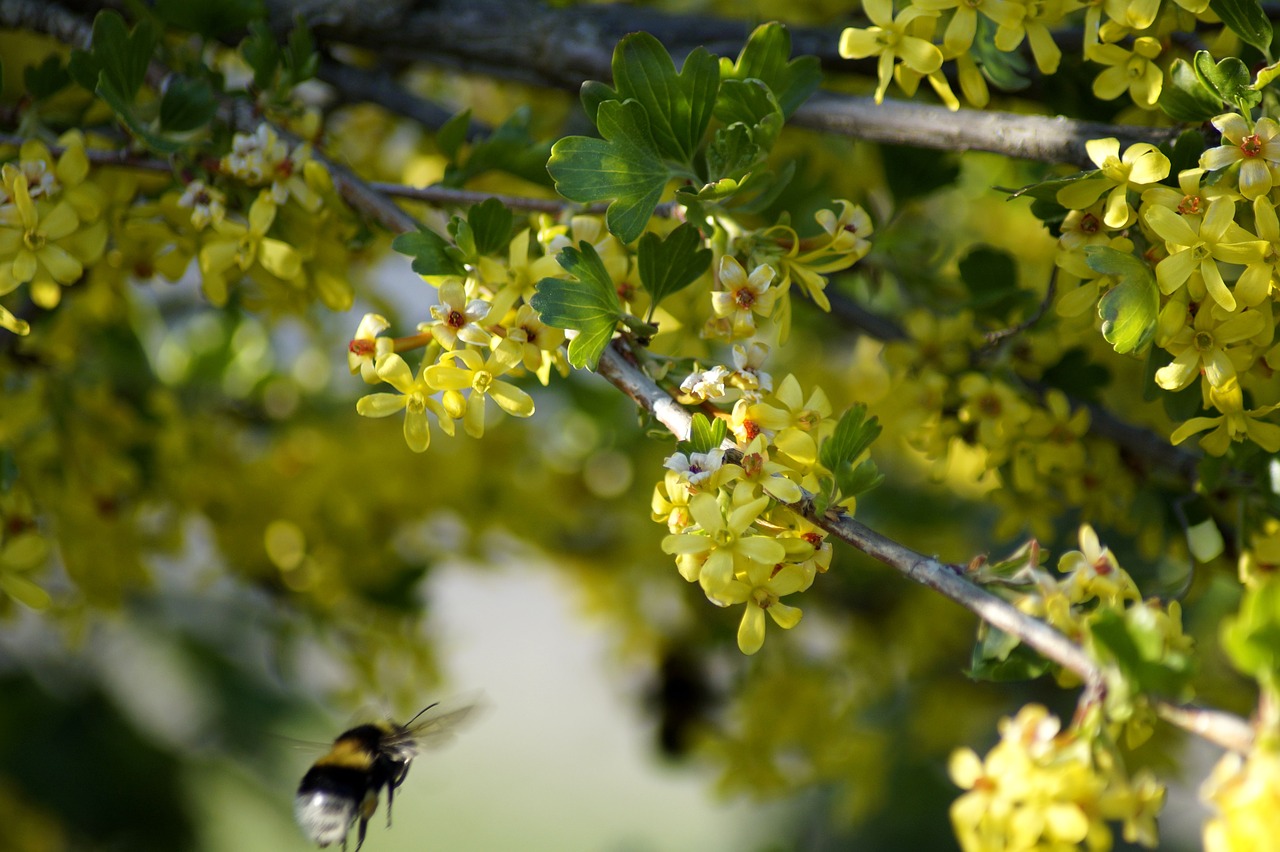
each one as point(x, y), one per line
point(437, 728)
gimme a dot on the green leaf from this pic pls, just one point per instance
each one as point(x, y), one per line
point(300, 57)
point(187, 105)
point(1077, 375)
point(853, 435)
point(1135, 640)
point(991, 277)
point(123, 108)
point(765, 58)
point(678, 106)
point(8, 471)
point(750, 102)
point(510, 148)
point(1251, 638)
point(1187, 98)
point(46, 79)
point(1247, 20)
point(1229, 79)
point(669, 265)
point(122, 55)
point(431, 253)
point(262, 54)
point(1047, 190)
point(914, 172)
point(210, 18)
point(453, 133)
point(1186, 152)
point(1007, 70)
point(1129, 309)
point(490, 222)
point(588, 302)
point(624, 168)
point(732, 153)
point(1000, 657)
point(706, 434)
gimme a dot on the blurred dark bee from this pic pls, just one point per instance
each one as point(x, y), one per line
point(343, 786)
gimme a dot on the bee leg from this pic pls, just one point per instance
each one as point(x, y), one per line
point(391, 794)
point(364, 824)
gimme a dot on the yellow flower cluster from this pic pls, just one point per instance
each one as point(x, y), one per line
point(729, 529)
point(292, 244)
point(968, 411)
point(1127, 37)
point(778, 257)
point(1044, 788)
point(51, 224)
point(1092, 594)
point(1244, 792)
point(481, 329)
point(1213, 246)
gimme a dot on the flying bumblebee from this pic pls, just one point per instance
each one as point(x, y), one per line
point(343, 785)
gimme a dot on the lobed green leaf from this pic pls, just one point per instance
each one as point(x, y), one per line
point(625, 168)
point(587, 303)
point(432, 254)
point(706, 434)
point(678, 106)
point(1187, 98)
point(668, 265)
point(1246, 19)
point(766, 57)
point(1128, 310)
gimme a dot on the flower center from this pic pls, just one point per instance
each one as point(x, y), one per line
point(1190, 204)
point(1203, 341)
point(456, 319)
point(33, 239)
point(763, 598)
point(481, 380)
point(1251, 145)
point(363, 348)
point(744, 298)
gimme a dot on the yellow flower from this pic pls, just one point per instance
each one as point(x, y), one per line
point(31, 233)
point(366, 349)
point(760, 590)
point(1256, 282)
point(1203, 345)
point(744, 296)
point(481, 376)
point(1033, 25)
point(1092, 572)
point(799, 424)
point(725, 543)
point(414, 399)
point(808, 262)
point(1245, 792)
point(538, 342)
point(1198, 246)
point(1257, 150)
point(1141, 166)
point(890, 39)
point(964, 23)
point(207, 205)
point(241, 246)
point(456, 318)
point(1234, 424)
point(1135, 70)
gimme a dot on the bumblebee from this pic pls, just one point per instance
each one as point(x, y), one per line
point(343, 785)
